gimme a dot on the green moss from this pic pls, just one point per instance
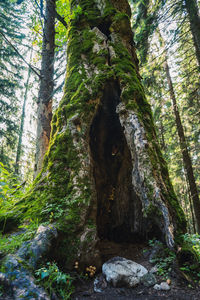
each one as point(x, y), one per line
point(54, 195)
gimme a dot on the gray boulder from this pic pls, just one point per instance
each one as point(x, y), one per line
point(148, 280)
point(123, 272)
point(17, 279)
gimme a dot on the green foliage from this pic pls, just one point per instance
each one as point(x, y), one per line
point(193, 240)
point(10, 77)
point(55, 281)
point(164, 259)
point(10, 243)
point(189, 257)
point(11, 190)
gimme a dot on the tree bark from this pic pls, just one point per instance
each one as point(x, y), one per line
point(104, 166)
point(194, 19)
point(184, 149)
point(44, 111)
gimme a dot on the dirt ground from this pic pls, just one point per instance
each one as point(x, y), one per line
point(180, 288)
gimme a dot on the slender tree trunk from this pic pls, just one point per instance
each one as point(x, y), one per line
point(187, 213)
point(194, 19)
point(192, 221)
point(191, 208)
point(44, 112)
point(19, 146)
point(184, 149)
point(163, 144)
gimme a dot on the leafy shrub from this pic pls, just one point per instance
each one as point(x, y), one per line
point(164, 259)
point(193, 240)
point(11, 190)
point(189, 257)
point(55, 281)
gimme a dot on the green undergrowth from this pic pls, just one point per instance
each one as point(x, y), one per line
point(10, 243)
point(164, 259)
point(186, 258)
point(189, 257)
point(11, 191)
point(55, 281)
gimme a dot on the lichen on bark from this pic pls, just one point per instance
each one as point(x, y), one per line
point(103, 163)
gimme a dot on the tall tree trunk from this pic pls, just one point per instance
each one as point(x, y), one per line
point(19, 146)
point(184, 149)
point(104, 167)
point(44, 112)
point(194, 19)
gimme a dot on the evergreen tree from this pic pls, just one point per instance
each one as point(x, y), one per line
point(10, 78)
point(194, 20)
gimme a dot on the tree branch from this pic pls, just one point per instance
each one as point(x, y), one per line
point(8, 42)
point(61, 19)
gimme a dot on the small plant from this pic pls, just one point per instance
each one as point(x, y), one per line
point(164, 263)
point(55, 281)
point(193, 240)
point(163, 259)
point(189, 257)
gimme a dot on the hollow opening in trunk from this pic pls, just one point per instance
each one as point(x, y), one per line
point(119, 210)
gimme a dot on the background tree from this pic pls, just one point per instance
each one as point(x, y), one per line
point(173, 21)
point(10, 78)
point(44, 111)
point(194, 19)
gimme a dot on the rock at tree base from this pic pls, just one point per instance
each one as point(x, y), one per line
point(17, 280)
point(162, 287)
point(123, 272)
point(148, 280)
point(100, 284)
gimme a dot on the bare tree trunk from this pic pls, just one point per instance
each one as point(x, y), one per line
point(190, 203)
point(184, 149)
point(194, 19)
point(44, 112)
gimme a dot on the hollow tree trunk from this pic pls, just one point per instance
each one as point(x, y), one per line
point(104, 163)
point(185, 153)
point(194, 19)
point(44, 111)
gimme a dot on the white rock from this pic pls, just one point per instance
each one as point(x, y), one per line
point(120, 271)
point(162, 287)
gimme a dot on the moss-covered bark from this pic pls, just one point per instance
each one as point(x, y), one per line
point(103, 175)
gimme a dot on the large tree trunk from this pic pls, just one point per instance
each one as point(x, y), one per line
point(185, 153)
point(44, 111)
point(104, 166)
point(194, 19)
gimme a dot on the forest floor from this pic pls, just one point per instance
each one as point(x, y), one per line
point(180, 289)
